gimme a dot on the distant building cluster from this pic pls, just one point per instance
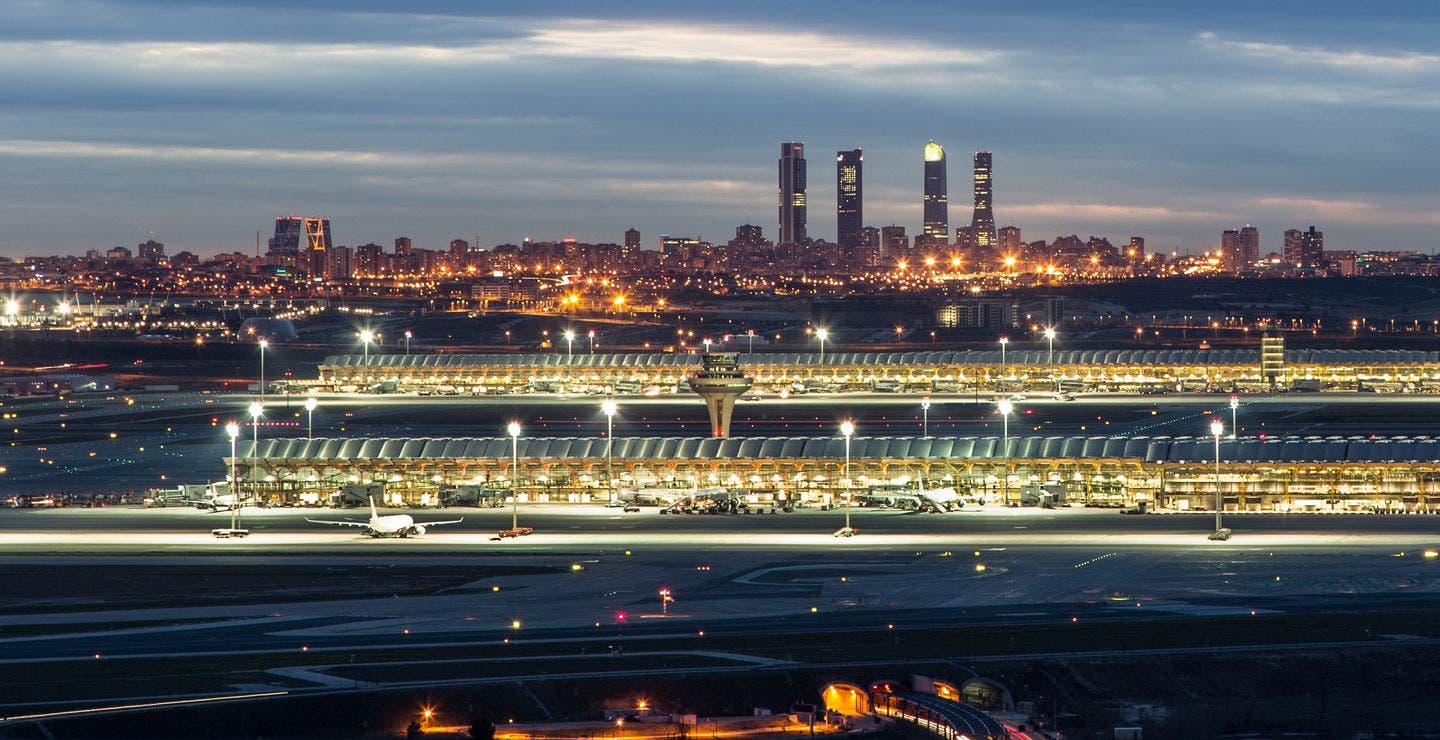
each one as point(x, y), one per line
point(301, 256)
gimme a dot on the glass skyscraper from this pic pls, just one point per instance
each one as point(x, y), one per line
point(937, 208)
point(792, 192)
point(849, 203)
point(983, 222)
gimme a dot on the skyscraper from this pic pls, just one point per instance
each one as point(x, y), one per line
point(937, 210)
point(1291, 252)
point(984, 219)
point(293, 235)
point(1239, 248)
point(792, 192)
point(849, 203)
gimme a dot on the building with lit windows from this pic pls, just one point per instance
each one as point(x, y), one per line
point(849, 201)
point(1319, 474)
point(983, 220)
point(936, 200)
point(792, 192)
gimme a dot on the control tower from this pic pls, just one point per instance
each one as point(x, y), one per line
point(720, 383)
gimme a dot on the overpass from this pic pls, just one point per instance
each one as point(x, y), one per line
point(1256, 474)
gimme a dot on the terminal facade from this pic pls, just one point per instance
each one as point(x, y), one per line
point(1322, 474)
point(1117, 371)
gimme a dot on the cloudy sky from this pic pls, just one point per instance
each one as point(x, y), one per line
point(202, 120)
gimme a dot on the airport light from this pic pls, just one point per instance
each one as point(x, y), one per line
point(12, 308)
point(569, 342)
point(1050, 354)
point(847, 428)
point(610, 407)
point(263, 344)
point(822, 335)
point(1003, 341)
point(514, 429)
point(311, 404)
point(1234, 410)
point(925, 416)
point(366, 337)
point(233, 431)
point(750, 335)
point(1217, 428)
point(1005, 407)
point(706, 342)
point(665, 599)
point(407, 341)
point(256, 411)
point(592, 341)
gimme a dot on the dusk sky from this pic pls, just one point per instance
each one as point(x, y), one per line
point(202, 121)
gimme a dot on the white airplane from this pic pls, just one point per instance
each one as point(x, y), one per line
point(394, 525)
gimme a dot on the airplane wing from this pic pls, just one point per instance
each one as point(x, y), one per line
point(436, 524)
point(337, 523)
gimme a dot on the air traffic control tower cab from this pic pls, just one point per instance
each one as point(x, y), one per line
point(720, 382)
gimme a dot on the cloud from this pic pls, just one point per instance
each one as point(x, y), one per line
point(1347, 211)
point(735, 44)
point(1110, 212)
point(1407, 62)
point(564, 39)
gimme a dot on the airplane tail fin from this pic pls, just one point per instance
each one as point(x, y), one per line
point(373, 511)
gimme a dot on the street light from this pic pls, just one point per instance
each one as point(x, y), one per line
point(1050, 354)
point(310, 406)
point(233, 430)
point(569, 342)
point(847, 428)
point(514, 429)
point(610, 407)
point(1003, 341)
point(256, 411)
point(1005, 407)
point(925, 416)
point(822, 335)
point(407, 341)
point(1217, 428)
point(366, 337)
point(750, 335)
point(1234, 409)
point(263, 344)
point(592, 341)
point(706, 342)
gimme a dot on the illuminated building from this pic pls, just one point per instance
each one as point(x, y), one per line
point(1291, 253)
point(300, 243)
point(1239, 248)
point(937, 209)
point(871, 253)
point(1312, 248)
point(849, 203)
point(983, 221)
point(631, 250)
point(151, 250)
point(1009, 240)
point(894, 243)
point(792, 192)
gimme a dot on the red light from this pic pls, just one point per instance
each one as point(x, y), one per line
point(620, 616)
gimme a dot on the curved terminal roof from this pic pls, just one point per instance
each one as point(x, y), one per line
point(1170, 357)
point(1133, 449)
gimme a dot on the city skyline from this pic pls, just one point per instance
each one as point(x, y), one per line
point(132, 118)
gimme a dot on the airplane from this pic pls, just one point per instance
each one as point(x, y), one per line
point(393, 525)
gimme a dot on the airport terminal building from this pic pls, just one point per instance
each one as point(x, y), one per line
point(1254, 474)
point(1116, 370)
